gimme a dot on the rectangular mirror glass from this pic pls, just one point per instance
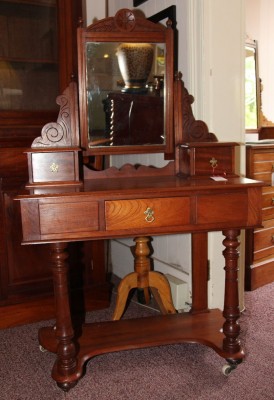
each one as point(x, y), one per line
point(125, 93)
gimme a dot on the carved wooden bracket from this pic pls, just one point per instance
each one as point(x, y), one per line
point(187, 128)
point(64, 132)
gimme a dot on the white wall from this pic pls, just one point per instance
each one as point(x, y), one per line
point(211, 57)
point(222, 97)
point(95, 10)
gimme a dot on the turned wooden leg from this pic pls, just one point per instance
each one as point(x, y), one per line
point(231, 313)
point(143, 278)
point(66, 353)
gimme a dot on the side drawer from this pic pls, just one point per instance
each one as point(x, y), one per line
point(68, 218)
point(146, 213)
point(222, 208)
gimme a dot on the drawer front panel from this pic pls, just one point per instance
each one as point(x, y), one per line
point(53, 167)
point(222, 208)
point(264, 157)
point(147, 213)
point(263, 166)
point(223, 156)
point(264, 238)
point(268, 202)
point(68, 218)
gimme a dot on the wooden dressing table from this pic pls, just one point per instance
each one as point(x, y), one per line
point(139, 202)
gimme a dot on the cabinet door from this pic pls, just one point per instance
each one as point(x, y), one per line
point(37, 59)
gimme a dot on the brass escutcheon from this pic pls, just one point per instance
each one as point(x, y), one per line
point(213, 162)
point(149, 215)
point(54, 167)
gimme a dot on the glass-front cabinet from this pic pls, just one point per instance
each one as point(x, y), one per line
point(28, 55)
point(38, 56)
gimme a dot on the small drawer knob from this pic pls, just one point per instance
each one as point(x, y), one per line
point(149, 215)
point(54, 167)
point(272, 201)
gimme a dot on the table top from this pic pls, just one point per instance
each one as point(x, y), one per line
point(171, 185)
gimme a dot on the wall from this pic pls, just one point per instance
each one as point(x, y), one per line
point(211, 57)
point(222, 99)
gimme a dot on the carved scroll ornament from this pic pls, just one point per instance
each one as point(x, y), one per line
point(64, 132)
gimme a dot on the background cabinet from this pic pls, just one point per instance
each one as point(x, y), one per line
point(260, 242)
point(37, 58)
point(29, 55)
point(38, 55)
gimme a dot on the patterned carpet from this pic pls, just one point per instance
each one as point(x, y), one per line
point(174, 372)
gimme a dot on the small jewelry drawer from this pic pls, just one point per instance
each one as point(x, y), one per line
point(46, 166)
point(206, 159)
point(147, 213)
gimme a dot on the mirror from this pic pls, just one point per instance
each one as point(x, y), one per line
point(252, 87)
point(126, 85)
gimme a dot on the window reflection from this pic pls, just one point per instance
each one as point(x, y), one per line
point(251, 87)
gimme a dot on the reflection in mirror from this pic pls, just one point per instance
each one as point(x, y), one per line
point(125, 84)
point(252, 91)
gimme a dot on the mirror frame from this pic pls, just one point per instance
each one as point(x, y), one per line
point(127, 26)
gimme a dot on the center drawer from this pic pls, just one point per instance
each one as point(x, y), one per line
point(147, 213)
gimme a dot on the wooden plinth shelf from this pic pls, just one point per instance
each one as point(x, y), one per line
point(111, 336)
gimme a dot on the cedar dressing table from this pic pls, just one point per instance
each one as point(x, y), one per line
point(66, 200)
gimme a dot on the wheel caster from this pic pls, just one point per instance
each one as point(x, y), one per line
point(230, 366)
point(227, 369)
point(42, 349)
